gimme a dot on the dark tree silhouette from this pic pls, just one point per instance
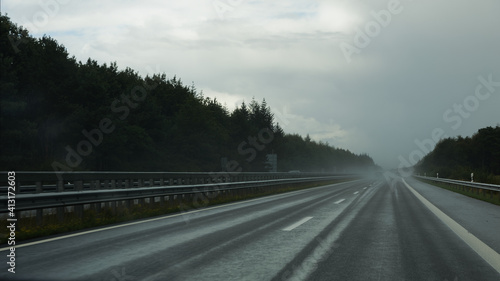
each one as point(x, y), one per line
point(459, 157)
point(59, 113)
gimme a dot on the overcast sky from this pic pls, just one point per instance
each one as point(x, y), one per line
point(376, 77)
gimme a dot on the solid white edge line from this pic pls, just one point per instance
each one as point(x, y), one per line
point(297, 224)
point(340, 201)
point(483, 250)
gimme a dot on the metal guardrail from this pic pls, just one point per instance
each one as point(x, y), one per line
point(493, 187)
point(79, 198)
point(40, 182)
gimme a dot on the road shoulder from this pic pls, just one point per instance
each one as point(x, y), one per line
point(479, 218)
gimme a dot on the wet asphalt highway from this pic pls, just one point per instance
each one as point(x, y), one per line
point(360, 230)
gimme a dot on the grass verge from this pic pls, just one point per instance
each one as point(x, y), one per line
point(28, 227)
point(492, 197)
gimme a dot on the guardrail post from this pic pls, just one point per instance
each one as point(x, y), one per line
point(39, 187)
point(128, 203)
point(112, 207)
point(60, 186)
point(18, 186)
point(113, 184)
point(79, 185)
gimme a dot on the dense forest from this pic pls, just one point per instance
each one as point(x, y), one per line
point(459, 157)
point(61, 114)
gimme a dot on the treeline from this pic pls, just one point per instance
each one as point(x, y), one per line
point(458, 157)
point(58, 113)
